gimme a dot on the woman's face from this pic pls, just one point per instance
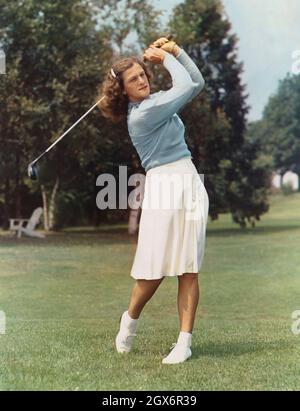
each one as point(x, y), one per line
point(136, 84)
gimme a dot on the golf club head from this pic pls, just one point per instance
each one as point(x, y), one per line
point(32, 171)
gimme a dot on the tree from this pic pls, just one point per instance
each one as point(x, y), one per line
point(216, 119)
point(279, 129)
point(60, 66)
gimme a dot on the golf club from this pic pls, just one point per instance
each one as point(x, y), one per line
point(32, 167)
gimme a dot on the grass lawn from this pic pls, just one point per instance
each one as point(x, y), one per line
point(63, 297)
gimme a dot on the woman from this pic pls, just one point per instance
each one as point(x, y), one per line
point(170, 241)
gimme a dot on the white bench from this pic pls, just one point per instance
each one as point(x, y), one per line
point(27, 226)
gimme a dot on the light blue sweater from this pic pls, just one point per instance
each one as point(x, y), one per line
point(155, 129)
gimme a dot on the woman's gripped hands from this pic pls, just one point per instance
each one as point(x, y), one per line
point(167, 45)
point(154, 54)
point(160, 42)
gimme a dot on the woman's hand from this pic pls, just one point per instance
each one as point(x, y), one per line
point(160, 42)
point(154, 54)
point(167, 45)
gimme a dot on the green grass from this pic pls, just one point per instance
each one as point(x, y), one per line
point(63, 297)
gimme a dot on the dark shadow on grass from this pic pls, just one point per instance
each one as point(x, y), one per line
point(225, 232)
point(236, 348)
point(113, 231)
point(68, 239)
point(211, 232)
point(119, 235)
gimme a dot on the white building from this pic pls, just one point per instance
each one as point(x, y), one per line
point(289, 178)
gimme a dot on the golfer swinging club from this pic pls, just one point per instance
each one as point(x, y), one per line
point(170, 241)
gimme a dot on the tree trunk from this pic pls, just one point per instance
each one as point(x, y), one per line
point(133, 221)
point(49, 209)
point(281, 180)
point(52, 205)
point(18, 194)
point(135, 212)
point(6, 205)
point(97, 215)
point(45, 207)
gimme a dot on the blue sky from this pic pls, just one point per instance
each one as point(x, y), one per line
point(268, 32)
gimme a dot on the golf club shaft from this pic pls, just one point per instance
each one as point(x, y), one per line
point(66, 132)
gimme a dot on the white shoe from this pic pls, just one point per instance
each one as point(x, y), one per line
point(126, 334)
point(180, 353)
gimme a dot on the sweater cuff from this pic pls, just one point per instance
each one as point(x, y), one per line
point(179, 54)
point(169, 59)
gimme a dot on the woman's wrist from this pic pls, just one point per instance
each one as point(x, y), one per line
point(176, 50)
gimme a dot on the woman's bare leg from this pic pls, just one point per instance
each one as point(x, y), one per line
point(142, 291)
point(187, 300)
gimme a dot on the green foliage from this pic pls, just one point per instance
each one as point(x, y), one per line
point(70, 209)
point(287, 189)
point(279, 128)
point(55, 61)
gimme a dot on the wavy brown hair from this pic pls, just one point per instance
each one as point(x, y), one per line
point(114, 106)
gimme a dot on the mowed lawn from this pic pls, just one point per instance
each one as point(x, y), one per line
point(63, 297)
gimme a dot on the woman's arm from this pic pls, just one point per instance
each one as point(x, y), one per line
point(153, 112)
point(192, 69)
point(170, 46)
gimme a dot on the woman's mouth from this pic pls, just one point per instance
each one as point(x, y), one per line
point(143, 87)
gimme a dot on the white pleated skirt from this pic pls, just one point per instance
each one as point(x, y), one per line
point(172, 228)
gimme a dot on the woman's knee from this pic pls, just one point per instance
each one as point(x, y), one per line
point(186, 277)
point(148, 284)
